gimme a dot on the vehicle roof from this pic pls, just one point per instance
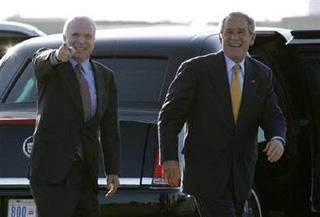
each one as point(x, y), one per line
point(175, 36)
point(151, 33)
point(154, 39)
point(22, 28)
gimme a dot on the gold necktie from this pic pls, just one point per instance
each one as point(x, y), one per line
point(235, 90)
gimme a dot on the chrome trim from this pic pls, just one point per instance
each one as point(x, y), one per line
point(125, 182)
point(146, 181)
point(14, 181)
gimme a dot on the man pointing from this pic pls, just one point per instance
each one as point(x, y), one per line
point(77, 112)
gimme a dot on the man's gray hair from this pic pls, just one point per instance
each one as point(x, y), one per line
point(70, 20)
point(251, 22)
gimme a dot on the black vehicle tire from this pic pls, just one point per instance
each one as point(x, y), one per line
point(252, 207)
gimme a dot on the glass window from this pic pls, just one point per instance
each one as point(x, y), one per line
point(9, 39)
point(24, 89)
point(138, 80)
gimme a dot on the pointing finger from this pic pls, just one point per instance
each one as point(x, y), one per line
point(72, 50)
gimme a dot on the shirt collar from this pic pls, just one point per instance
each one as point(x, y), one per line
point(85, 64)
point(230, 63)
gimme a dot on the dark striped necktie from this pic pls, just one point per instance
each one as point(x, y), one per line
point(84, 90)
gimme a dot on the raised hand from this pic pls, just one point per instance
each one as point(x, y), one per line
point(64, 53)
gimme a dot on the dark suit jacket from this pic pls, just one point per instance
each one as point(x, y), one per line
point(60, 125)
point(216, 148)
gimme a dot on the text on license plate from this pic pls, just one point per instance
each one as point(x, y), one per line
point(21, 208)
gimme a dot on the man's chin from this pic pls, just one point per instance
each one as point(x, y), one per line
point(80, 58)
point(236, 58)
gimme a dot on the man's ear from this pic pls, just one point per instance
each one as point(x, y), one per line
point(253, 37)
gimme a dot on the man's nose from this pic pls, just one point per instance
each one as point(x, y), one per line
point(81, 39)
point(234, 36)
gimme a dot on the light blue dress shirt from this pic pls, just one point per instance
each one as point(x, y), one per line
point(229, 66)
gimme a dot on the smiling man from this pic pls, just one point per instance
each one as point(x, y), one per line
point(77, 104)
point(222, 98)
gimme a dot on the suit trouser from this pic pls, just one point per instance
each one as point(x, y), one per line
point(223, 206)
point(75, 197)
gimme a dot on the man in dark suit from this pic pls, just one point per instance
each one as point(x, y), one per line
point(222, 98)
point(77, 112)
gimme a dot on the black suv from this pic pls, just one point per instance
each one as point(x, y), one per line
point(145, 61)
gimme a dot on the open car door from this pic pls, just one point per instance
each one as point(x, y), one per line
point(291, 187)
point(305, 48)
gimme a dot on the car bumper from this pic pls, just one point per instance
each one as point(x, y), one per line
point(130, 200)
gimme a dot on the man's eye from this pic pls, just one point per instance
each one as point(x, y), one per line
point(88, 36)
point(242, 31)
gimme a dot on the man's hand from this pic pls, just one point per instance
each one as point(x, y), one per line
point(112, 185)
point(172, 172)
point(274, 150)
point(64, 53)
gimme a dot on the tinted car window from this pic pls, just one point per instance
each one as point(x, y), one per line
point(136, 75)
point(24, 89)
point(130, 74)
point(8, 41)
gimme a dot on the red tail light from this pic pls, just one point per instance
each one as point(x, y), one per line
point(158, 174)
point(17, 121)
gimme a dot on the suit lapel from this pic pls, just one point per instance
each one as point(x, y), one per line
point(219, 80)
point(249, 88)
point(100, 84)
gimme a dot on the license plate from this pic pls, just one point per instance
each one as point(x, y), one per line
point(22, 208)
